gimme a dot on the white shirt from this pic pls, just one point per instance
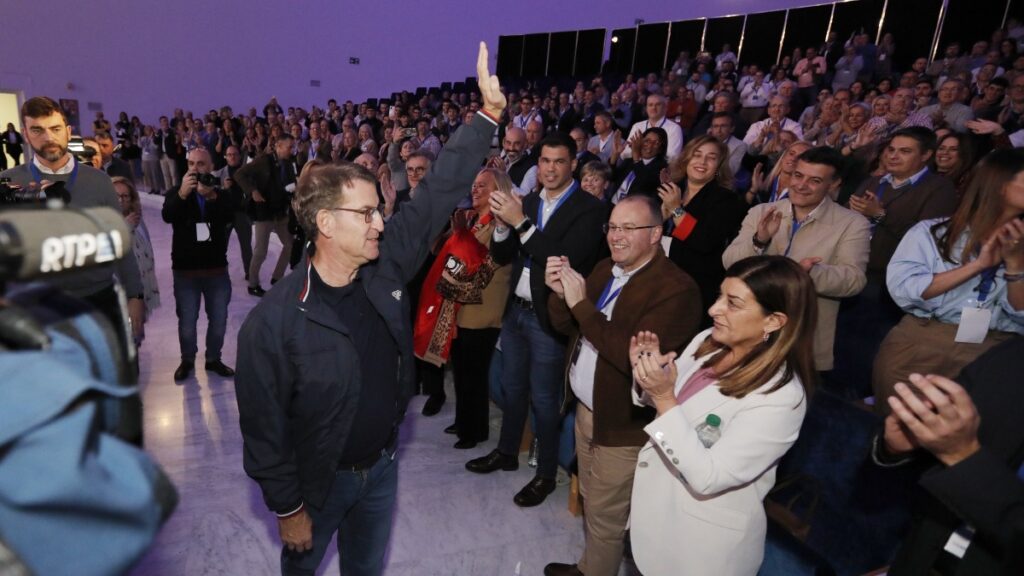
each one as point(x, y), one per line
point(604, 147)
point(67, 168)
point(757, 127)
point(548, 208)
point(737, 150)
point(754, 96)
point(675, 136)
point(581, 373)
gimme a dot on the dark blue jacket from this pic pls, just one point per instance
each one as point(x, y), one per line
point(298, 380)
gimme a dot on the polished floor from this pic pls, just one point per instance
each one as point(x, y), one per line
point(447, 521)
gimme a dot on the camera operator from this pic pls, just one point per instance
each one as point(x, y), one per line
point(199, 212)
point(47, 132)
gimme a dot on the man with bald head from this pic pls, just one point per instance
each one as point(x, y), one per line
point(760, 133)
point(199, 212)
point(656, 119)
point(520, 166)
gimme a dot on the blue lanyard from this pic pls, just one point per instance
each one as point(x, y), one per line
point(540, 205)
point(792, 233)
point(775, 190)
point(38, 176)
point(607, 295)
point(202, 204)
point(988, 277)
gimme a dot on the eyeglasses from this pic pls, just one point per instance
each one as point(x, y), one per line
point(366, 212)
point(415, 169)
point(606, 228)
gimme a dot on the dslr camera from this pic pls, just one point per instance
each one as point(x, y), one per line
point(207, 179)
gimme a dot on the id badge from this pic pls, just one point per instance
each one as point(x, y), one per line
point(202, 232)
point(959, 541)
point(974, 324)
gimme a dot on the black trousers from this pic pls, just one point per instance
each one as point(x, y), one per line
point(471, 358)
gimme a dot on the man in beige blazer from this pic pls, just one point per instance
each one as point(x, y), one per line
point(830, 242)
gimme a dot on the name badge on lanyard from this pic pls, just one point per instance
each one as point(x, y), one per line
point(975, 318)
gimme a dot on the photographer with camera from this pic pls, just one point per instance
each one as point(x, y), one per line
point(56, 171)
point(199, 212)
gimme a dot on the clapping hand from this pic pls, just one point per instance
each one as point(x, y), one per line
point(671, 198)
point(573, 284)
point(507, 207)
point(768, 225)
point(940, 417)
point(655, 372)
point(868, 205)
point(1011, 245)
point(553, 275)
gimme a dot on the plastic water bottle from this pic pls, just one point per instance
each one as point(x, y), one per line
point(710, 430)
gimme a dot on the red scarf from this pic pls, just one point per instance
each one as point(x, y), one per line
point(458, 276)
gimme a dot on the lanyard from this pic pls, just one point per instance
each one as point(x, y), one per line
point(202, 204)
point(775, 190)
point(540, 206)
point(607, 296)
point(38, 176)
point(792, 233)
point(988, 277)
point(659, 125)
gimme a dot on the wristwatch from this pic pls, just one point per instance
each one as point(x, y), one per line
point(524, 226)
point(878, 219)
point(678, 212)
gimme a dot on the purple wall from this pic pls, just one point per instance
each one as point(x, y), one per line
point(147, 57)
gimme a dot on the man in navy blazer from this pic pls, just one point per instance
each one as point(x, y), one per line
point(559, 220)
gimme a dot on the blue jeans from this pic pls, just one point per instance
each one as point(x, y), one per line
point(532, 372)
point(216, 292)
point(359, 508)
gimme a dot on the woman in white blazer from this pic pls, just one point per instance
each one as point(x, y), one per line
point(699, 510)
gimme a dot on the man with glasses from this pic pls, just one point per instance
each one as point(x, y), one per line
point(326, 359)
point(416, 168)
point(949, 112)
point(637, 289)
point(559, 220)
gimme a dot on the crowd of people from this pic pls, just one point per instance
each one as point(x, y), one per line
point(676, 260)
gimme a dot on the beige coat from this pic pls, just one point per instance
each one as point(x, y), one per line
point(840, 237)
point(488, 313)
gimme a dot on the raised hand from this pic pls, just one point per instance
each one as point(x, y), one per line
point(758, 180)
point(768, 225)
point(490, 88)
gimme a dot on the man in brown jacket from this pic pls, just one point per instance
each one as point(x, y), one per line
point(646, 291)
